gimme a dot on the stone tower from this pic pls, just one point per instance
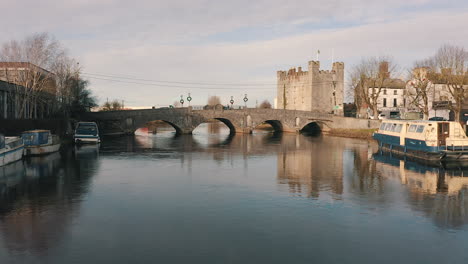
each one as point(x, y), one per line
point(312, 90)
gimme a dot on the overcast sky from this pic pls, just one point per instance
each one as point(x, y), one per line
point(195, 45)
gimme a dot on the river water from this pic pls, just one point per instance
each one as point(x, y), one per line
point(212, 198)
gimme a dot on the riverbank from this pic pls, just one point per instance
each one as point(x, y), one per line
point(351, 133)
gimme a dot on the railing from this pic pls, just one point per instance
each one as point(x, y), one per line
point(456, 144)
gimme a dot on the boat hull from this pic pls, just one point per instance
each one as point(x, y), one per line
point(419, 149)
point(11, 155)
point(87, 140)
point(41, 149)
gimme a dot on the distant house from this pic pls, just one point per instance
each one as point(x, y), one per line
point(439, 97)
point(391, 100)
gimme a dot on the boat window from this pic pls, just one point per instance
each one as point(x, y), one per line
point(382, 126)
point(388, 126)
point(86, 129)
point(398, 128)
point(412, 128)
point(420, 129)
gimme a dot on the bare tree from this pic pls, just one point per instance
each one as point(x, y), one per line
point(214, 100)
point(31, 61)
point(419, 89)
point(449, 67)
point(43, 75)
point(177, 104)
point(355, 88)
point(369, 78)
point(114, 105)
point(265, 104)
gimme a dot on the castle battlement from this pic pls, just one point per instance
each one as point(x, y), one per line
point(311, 90)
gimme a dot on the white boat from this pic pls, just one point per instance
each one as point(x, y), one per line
point(39, 142)
point(430, 140)
point(86, 132)
point(11, 149)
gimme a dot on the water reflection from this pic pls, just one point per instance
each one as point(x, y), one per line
point(268, 192)
point(439, 193)
point(40, 196)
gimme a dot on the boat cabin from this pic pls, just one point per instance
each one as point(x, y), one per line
point(36, 137)
point(432, 133)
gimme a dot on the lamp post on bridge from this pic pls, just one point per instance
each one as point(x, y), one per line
point(182, 100)
point(189, 98)
point(232, 101)
point(245, 100)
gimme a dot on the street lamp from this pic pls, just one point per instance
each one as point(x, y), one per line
point(182, 100)
point(245, 100)
point(189, 98)
point(232, 101)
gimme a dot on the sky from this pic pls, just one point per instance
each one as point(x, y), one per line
point(149, 53)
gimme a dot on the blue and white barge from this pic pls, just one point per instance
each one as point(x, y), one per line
point(442, 140)
point(11, 149)
point(39, 142)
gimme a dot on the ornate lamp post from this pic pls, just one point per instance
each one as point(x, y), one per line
point(232, 101)
point(245, 100)
point(182, 100)
point(189, 98)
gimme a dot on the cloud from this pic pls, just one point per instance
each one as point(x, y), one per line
point(231, 41)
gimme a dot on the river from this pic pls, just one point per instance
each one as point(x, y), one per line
point(214, 198)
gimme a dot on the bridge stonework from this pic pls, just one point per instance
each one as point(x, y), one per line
point(185, 120)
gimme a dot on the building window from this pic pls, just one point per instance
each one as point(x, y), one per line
point(394, 102)
point(385, 102)
point(385, 91)
point(395, 92)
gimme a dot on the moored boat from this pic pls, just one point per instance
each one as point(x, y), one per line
point(11, 149)
point(39, 142)
point(431, 140)
point(86, 132)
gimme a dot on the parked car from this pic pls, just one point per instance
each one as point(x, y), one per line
point(380, 117)
point(437, 118)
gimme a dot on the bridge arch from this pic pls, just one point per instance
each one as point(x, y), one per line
point(275, 124)
point(228, 123)
point(178, 130)
point(313, 128)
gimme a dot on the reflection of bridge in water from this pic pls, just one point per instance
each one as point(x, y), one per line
point(185, 120)
point(338, 168)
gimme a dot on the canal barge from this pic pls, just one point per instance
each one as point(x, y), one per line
point(11, 149)
point(429, 140)
point(86, 132)
point(39, 142)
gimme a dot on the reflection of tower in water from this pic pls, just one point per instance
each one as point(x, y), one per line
point(311, 165)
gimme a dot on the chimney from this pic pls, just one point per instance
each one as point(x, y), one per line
point(383, 69)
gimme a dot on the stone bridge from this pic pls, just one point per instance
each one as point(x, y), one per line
point(185, 120)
